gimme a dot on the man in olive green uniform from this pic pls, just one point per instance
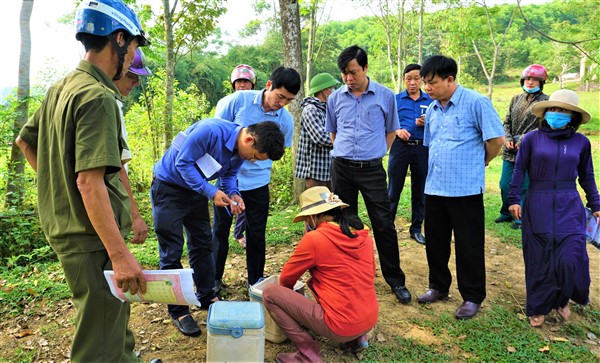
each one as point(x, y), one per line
point(74, 143)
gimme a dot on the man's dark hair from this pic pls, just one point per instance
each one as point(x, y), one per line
point(287, 78)
point(411, 67)
point(439, 65)
point(350, 53)
point(268, 138)
point(96, 43)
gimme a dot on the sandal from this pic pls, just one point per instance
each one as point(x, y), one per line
point(537, 321)
point(564, 312)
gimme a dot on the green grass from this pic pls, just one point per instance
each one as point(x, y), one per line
point(404, 350)
point(23, 286)
point(495, 336)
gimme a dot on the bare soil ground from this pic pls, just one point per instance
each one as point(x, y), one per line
point(48, 331)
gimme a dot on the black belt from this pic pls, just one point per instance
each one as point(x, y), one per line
point(412, 142)
point(359, 164)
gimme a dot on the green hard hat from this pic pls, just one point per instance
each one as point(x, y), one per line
point(320, 82)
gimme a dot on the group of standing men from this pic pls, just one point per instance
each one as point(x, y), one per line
point(75, 142)
point(447, 135)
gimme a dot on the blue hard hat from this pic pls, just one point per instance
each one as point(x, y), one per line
point(103, 17)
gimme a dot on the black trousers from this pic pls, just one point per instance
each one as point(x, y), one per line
point(465, 217)
point(176, 210)
point(370, 181)
point(402, 156)
point(257, 211)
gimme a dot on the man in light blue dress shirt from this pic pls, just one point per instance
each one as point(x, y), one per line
point(246, 108)
point(464, 133)
point(362, 120)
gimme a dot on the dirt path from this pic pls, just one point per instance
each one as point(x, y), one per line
point(48, 332)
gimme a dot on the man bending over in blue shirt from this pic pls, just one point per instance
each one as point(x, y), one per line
point(207, 150)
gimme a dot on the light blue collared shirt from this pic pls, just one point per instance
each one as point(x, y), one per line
point(361, 123)
point(456, 137)
point(210, 136)
point(245, 109)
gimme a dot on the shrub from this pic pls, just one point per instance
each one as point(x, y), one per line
point(22, 239)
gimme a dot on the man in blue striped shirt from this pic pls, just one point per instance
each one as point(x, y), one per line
point(464, 133)
point(362, 120)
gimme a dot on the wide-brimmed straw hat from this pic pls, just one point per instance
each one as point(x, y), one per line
point(563, 98)
point(317, 200)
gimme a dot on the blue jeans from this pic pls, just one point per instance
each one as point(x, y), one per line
point(401, 157)
point(508, 168)
point(175, 210)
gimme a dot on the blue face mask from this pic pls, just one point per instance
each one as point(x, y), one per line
point(557, 120)
point(531, 90)
point(308, 226)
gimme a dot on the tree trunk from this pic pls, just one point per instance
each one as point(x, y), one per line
point(170, 75)
point(311, 43)
point(15, 186)
point(292, 50)
point(497, 44)
point(421, 12)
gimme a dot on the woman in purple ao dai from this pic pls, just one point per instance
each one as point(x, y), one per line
point(554, 220)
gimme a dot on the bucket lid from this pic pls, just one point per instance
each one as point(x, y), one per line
point(228, 317)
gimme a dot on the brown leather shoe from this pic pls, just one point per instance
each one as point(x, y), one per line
point(431, 296)
point(467, 310)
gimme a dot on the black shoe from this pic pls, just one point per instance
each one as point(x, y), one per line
point(431, 296)
point(503, 219)
point(418, 236)
point(467, 310)
point(515, 225)
point(402, 294)
point(219, 285)
point(187, 326)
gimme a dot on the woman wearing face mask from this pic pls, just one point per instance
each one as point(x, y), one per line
point(519, 121)
point(338, 253)
point(554, 220)
point(314, 145)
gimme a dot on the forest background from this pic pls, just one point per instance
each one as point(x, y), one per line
point(492, 45)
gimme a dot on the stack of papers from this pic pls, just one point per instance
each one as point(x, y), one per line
point(175, 287)
point(592, 230)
